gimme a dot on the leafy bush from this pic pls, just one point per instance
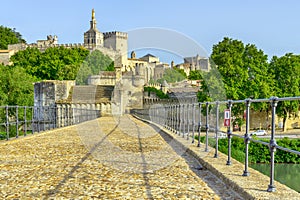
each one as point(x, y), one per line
point(258, 153)
point(158, 93)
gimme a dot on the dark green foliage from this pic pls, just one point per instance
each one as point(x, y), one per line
point(258, 153)
point(286, 71)
point(95, 62)
point(16, 86)
point(9, 36)
point(196, 75)
point(158, 93)
point(56, 63)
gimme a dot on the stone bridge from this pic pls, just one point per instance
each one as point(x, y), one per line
point(122, 158)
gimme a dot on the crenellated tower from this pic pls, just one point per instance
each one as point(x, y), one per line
point(93, 37)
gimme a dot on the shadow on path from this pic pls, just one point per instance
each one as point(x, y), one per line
point(77, 166)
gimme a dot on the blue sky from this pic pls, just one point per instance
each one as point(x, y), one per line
point(273, 26)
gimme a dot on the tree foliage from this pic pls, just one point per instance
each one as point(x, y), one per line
point(158, 93)
point(54, 64)
point(172, 75)
point(195, 75)
point(16, 86)
point(9, 36)
point(286, 71)
point(243, 68)
point(244, 72)
point(95, 62)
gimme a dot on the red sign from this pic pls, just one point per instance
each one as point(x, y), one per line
point(227, 122)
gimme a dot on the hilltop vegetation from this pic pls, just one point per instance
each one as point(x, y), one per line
point(9, 36)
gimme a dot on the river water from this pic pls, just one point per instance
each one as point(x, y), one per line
point(287, 174)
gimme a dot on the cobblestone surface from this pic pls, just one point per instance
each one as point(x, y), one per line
point(108, 158)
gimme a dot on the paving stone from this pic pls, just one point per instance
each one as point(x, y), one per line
point(107, 158)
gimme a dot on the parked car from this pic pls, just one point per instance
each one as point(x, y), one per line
point(222, 135)
point(259, 132)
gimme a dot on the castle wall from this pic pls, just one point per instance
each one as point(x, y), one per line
point(116, 40)
point(159, 72)
point(46, 93)
point(5, 56)
point(101, 80)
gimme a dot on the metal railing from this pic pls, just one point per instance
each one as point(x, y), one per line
point(16, 121)
point(188, 120)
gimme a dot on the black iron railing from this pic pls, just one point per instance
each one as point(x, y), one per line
point(16, 121)
point(188, 120)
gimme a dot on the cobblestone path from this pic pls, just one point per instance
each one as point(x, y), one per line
point(108, 158)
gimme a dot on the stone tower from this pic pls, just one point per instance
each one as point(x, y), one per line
point(116, 40)
point(93, 37)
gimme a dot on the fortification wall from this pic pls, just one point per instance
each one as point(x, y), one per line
point(46, 93)
point(101, 80)
point(42, 47)
point(5, 56)
point(117, 41)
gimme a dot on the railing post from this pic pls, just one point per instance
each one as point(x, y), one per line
point(61, 117)
point(199, 124)
point(17, 121)
point(169, 117)
point(7, 122)
point(207, 127)
point(173, 118)
point(272, 146)
point(66, 117)
point(178, 120)
point(188, 121)
point(38, 119)
point(229, 106)
point(217, 129)
point(193, 123)
point(247, 137)
point(184, 120)
point(25, 121)
point(32, 120)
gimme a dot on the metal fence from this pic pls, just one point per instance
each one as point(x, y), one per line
point(189, 119)
point(18, 121)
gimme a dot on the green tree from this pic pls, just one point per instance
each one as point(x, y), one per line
point(228, 56)
point(16, 86)
point(195, 75)
point(95, 62)
point(9, 36)
point(172, 76)
point(286, 72)
point(244, 72)
point(56, 63)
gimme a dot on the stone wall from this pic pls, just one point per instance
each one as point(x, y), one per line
point(116, 40)
point(5, 56)
point(42, 47)
point(46, 93)
point(105, 78)
point(262, 120)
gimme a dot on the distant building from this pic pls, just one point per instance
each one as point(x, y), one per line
point(194, 63)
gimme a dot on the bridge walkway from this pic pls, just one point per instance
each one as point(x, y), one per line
point(107, 158)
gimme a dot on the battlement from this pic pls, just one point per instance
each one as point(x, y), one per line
point(21, 46)
point(115, 34)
